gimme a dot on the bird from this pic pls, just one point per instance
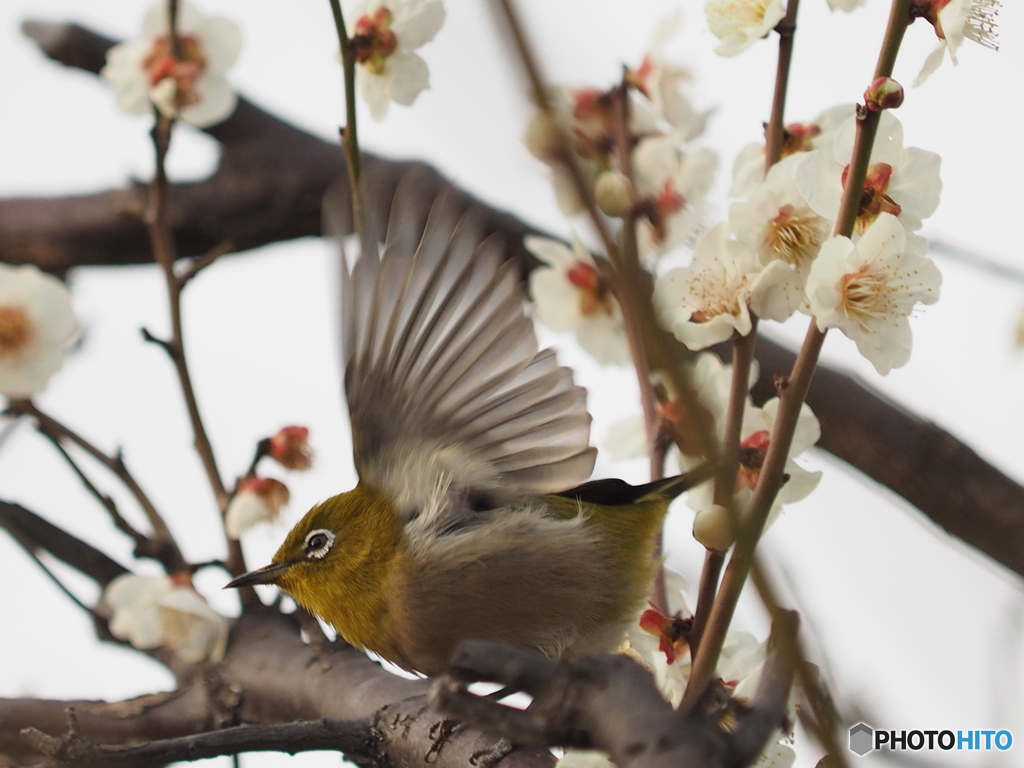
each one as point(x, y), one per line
point(471, 518)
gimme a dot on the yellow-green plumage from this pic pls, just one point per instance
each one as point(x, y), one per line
point(465, 437)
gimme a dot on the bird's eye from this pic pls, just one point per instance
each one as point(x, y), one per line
point(318, 543)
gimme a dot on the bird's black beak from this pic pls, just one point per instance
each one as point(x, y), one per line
point(268, 574)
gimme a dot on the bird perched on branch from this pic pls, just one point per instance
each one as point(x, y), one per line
point(466, 439)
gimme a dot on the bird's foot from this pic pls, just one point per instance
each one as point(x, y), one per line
point(486, 758)
point(440, 733)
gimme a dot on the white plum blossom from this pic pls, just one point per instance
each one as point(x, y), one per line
point(259, 500)
point(673, 184)
point(955, 21)
point(657, 645)
point(571, 295)
point(36, 326)
point(660, 79)
point(588, 116)
point(775, 222)
point(740, 23)
point(748, 168)
point(709, 300)
point(385, 35)
point(714, 381)
point(903, 182)
point(868, 289)
point(190, 85)
point(161, 611)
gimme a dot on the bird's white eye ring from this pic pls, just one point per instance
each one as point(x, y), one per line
point(318, 543)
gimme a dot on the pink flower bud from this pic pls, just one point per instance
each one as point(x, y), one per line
point(290, 448)
point(883, 93)
point(259, 499)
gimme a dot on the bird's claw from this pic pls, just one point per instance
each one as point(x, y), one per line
point(486, 758)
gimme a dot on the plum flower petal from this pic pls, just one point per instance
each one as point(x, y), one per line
point(740, 23)
point(386, 34)
point(188, 84)
point(903, 182)
point(748, 168)
point(660, 80)
point(955, 21)
point(160, 611)
point(36, 326)
point(673, 184)
point(776, 222)
point(572, 295)
point(707, 302)
point(869, 289)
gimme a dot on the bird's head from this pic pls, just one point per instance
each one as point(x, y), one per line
point(341, 551)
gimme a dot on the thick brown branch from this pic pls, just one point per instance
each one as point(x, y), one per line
point(269, 187)
point(355, 739)
point(269, 676)
point(611, 703)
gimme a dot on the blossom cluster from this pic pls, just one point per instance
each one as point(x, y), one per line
point(661, 186)
point(775, 255)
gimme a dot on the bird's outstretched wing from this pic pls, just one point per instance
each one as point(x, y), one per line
point(454, 410)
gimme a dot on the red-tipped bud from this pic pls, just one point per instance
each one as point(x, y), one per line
point(290, 448)
point(883, 93)
point(259, 499)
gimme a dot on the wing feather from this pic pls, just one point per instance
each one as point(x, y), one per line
point(449, 397)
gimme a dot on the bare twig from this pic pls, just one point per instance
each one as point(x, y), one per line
point(164, 547)
point(198, 264)
point(108, 503)
point(34, 534)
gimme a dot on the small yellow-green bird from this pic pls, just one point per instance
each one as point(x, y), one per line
point(466, 438)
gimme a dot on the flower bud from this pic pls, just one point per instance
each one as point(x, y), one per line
point(541, 137)
point(713, 528)
point(290, 448)
point(883, 93)
point(259, 499)
point(612, 193)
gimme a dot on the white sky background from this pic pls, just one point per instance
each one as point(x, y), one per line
point(922, 631)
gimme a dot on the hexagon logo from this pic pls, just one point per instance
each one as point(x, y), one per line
point(862, 739)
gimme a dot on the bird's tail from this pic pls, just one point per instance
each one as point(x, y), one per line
point(670, 487)
point(618, 492)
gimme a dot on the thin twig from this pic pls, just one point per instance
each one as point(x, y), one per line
point(162, 244)
point(198, 264)
point(743, 346)
point(60, 585)
point(792, 390)
point(108, 503)
point(826, 719)
point(350, 133)
point(163, 542)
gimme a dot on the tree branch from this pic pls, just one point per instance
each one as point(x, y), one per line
point(354, 738)
point(269, 677)
point(268, 188)
point(610, 703)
